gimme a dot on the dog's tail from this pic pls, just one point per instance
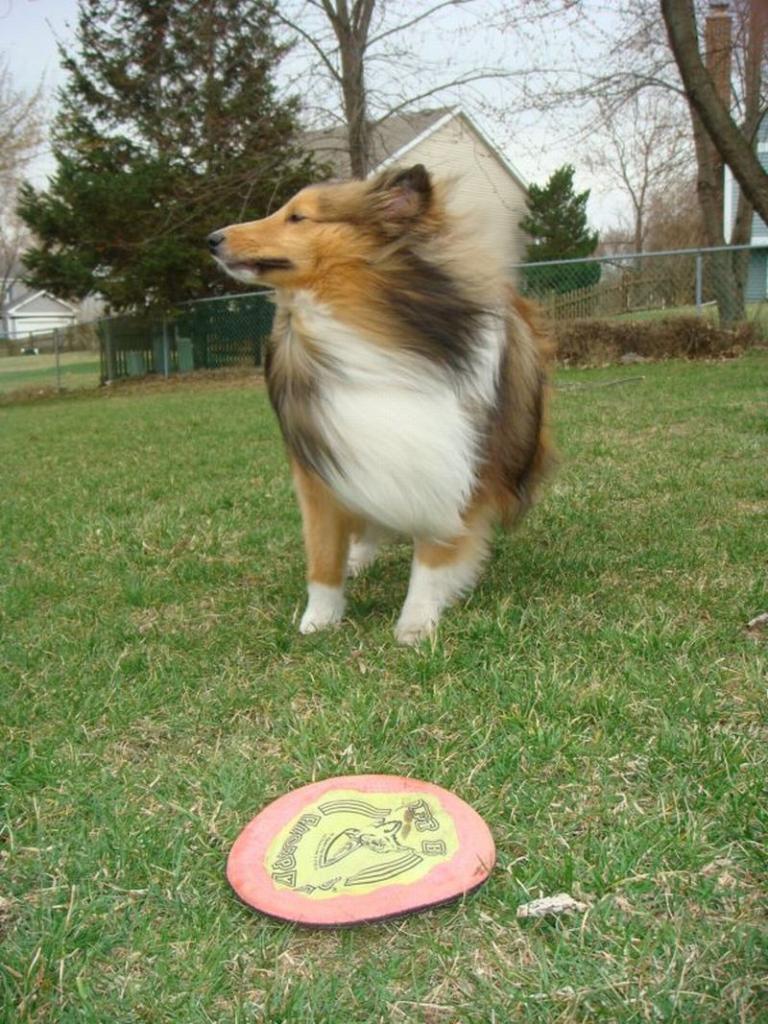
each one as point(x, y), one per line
point(521, 450)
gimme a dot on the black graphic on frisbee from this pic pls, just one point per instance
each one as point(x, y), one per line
point(360, 848)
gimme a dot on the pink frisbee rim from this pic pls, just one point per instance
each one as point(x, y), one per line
point(466, 871)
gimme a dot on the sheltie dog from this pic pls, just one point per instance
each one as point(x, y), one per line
point(408, 379)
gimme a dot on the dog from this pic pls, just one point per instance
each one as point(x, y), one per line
point(408, 379)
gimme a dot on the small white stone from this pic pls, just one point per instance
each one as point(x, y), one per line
point(562, 903)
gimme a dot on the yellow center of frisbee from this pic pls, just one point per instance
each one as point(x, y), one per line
point(351, 843)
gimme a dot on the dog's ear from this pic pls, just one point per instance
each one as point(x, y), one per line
point(400, 197)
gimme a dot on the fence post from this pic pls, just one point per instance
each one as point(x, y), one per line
point(699, 282)
point(166, 347)
point(56, 347)
point(110, 352)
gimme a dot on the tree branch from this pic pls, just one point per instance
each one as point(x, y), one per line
point(417, 19)
point(338, 17)
point(362, 13)
point(312, 42)
point(465, 80)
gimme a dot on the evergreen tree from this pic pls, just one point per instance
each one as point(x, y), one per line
point(557, 224)
point(169, 126)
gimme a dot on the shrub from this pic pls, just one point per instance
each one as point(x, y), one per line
point(591, 342)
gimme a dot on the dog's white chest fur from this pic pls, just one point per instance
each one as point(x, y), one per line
point(403, 433)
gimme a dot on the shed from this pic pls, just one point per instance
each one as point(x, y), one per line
point(36, 313)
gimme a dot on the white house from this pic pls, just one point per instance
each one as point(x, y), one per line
point(28, 312)
point(757, 276)
point(449, 143)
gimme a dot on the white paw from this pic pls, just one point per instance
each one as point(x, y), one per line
point(324, 608)
point(417, 624)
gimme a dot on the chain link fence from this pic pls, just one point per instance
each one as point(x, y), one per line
point(63, 359)
point(727, 285)
point(659, 303)
point(207, 334)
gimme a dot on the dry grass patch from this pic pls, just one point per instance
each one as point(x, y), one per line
point(596, 342)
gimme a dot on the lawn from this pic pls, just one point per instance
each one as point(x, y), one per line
point(78, 370)
point(598, 700)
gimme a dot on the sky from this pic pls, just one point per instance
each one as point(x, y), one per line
point(29, 30)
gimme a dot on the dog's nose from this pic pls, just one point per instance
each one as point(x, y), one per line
point(215, 239)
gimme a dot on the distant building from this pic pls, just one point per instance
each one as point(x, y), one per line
point(757, 276)
point(718, 32)
point(448, 143)
point(26, 313)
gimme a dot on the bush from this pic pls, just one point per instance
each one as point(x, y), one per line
point(591, 342)
point(561, 278)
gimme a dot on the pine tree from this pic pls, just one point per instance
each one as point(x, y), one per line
point(557, 224)
point(169, 126)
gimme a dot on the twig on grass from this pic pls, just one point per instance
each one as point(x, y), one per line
point(600, 384)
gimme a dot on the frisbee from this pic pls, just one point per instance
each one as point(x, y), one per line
point(360, 848)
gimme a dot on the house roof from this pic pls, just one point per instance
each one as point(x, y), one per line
point(30, 296)
point(387, 139)
point(394, 138)
point(20, 292)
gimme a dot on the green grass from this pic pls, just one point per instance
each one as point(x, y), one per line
point(78, 370)
point(598, 700)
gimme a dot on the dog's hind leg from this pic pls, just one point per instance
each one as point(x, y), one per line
point(364, 547)
point(327, 530)
point(440, 574)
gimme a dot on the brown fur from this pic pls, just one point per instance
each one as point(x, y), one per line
point(520, 452)
point(387, 258)
point(328, 528)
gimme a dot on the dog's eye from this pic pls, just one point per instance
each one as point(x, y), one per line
point(294, 218)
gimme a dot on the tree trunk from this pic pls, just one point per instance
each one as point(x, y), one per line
point(355, 108)
point(639, 230)
point(728, 290)
point(351, 30)
point(734, 148)
point(728, 271)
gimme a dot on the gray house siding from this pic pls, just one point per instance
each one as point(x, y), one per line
point(757, 281)
point(759, 228)
point(33, 313)
point(757, 277)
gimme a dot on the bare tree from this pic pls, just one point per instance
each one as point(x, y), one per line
point(20, 125)
point(673, 216)
point(345, 62)
point(14, 238)
point(732, 143)
point(366, 58)
point(21, 132)
point(642, 148)
point(633, 57)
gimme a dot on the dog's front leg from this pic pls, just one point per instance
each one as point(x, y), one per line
point(327, 529)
